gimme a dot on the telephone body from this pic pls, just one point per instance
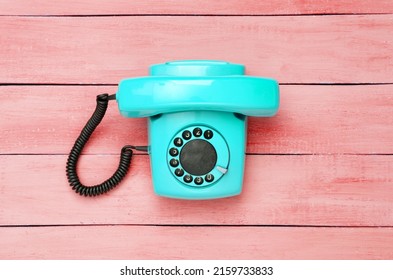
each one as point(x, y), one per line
point(197, 119)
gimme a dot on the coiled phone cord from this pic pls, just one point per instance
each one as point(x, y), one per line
point(125, 155)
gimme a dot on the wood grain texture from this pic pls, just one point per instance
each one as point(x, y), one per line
point(199, 7)
point(135, 242)
point(278, 190)
point(318, 176)
point(318, 49)
point(311, 119)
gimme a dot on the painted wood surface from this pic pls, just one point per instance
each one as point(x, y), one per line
point(318, 177)
point(311, 120)
point(102, 50)
point(136, 242)
point(196, 7)
point(315, 190)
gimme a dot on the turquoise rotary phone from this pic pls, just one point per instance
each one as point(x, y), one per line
point(197, 112)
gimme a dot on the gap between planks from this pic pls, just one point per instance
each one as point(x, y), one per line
point(198, 15)
point(106, 85)
point(247, 154)
point(191, 225)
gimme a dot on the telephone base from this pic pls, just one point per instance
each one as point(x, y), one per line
point(197, 154)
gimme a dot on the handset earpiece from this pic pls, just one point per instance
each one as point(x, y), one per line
point(246, 95)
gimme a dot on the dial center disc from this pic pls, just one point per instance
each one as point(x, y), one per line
point(198, 157)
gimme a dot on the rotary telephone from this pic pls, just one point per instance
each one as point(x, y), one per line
point(197, 112)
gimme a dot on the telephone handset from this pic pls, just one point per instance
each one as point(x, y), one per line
point(197, 112)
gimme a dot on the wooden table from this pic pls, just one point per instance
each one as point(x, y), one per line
point(318, 177)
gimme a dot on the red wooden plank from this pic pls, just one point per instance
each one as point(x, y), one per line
point(200, 7)
point(311, 119)
point(135, 242)
point(278, 190)
point(320, 49)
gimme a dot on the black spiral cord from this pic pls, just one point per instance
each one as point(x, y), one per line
point(125, 155)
